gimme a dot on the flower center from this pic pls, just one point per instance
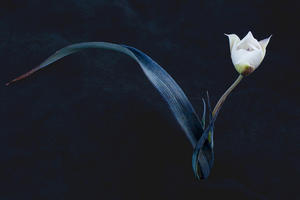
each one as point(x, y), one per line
point(247, 47)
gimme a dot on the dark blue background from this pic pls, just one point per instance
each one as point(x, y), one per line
point(93, 127)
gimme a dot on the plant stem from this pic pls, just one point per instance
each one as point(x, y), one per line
point(224, 96)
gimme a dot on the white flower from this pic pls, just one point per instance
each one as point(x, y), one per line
point(248, 53)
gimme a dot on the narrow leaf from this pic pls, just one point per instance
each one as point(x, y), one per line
point(161, 80)
point(198, 158)
point(203, 114)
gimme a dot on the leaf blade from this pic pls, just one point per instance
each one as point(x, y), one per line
point(178, 103)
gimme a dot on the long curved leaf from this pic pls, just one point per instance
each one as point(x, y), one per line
point(178, 103)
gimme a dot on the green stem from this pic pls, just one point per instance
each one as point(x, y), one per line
point(224, 96)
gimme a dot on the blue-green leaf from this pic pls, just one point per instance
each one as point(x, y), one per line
point(203, 114)
point(178, 103)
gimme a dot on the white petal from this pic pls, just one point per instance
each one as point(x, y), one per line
point(264, 43)
point(233, 39)
point(255, 58)
point(250, 58)
point(247, 40)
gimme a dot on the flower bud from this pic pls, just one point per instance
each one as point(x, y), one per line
point(248, 53)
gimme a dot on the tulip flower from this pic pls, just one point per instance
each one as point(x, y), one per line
point(248, 53)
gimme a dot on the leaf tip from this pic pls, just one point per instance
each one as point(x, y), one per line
point(8, 83)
